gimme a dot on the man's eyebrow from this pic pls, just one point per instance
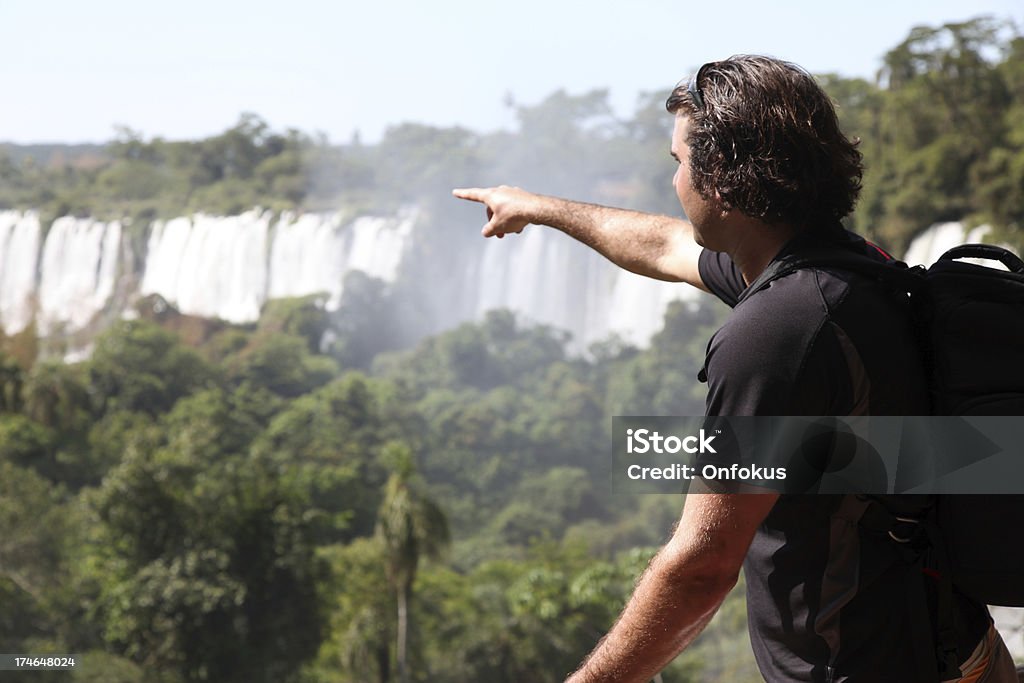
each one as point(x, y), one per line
point(673, 155)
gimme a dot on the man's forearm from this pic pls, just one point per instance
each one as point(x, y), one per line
point(668, 609)
point(647, 244)
point(682, 588)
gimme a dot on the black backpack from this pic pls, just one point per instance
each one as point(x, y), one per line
point(970, 320)
point(977, 359)
point(970, 324)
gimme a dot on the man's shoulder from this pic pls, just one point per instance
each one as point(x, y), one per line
point(769, 335)
point(777, 353)
point(793, 304)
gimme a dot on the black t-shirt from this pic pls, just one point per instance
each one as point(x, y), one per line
point(822, 594)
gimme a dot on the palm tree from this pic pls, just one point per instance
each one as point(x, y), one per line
point(410, 526)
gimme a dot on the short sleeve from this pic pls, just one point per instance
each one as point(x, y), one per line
point(721, 276)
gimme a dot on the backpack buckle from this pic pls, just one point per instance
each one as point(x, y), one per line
point(910, 531)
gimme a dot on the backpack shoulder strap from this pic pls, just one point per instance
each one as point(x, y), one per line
point(894, 274)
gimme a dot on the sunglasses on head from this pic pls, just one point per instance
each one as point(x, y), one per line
point(694, 89)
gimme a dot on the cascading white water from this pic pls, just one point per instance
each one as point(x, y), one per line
point(376, 245)
point(304, 257)
point(926, 248)
point(210, 266)
point(313, 253)
point(78, 271)
point(548, 278)
point(638, 305)
point(228, 267)
point(19, 249)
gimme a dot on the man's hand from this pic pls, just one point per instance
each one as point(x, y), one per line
point(508, 208)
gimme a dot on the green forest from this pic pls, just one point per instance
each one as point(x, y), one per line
point(201, 501)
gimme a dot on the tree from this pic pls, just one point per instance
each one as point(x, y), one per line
point(327, 443)
point(12, 379)
point(32, 564)
point(56, 397)
point(362, 617)
point(564, 145)
point(137, 366)
point(417, 162)
point(1000, 178)
point(206, 566)
point(282, 363)
point(28, 444)
point(660, 380)
point(367, 322)
point(411, 526)
point(941, 115)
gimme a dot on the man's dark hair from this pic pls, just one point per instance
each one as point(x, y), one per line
point(765, 136)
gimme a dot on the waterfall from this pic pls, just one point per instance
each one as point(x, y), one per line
point(926, 248)
point(313, 253)
point(228, 267)
point(304, 257)
point(78, 272)
point(19, 250)
point(65, 285)
point(638, 305)
point(210, 266)
point(548, 278)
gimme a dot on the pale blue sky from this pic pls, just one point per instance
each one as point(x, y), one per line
point(72, 70)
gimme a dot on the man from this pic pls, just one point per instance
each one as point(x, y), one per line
point(764, 170)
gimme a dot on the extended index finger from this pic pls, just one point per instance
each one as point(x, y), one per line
point(475, 194)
